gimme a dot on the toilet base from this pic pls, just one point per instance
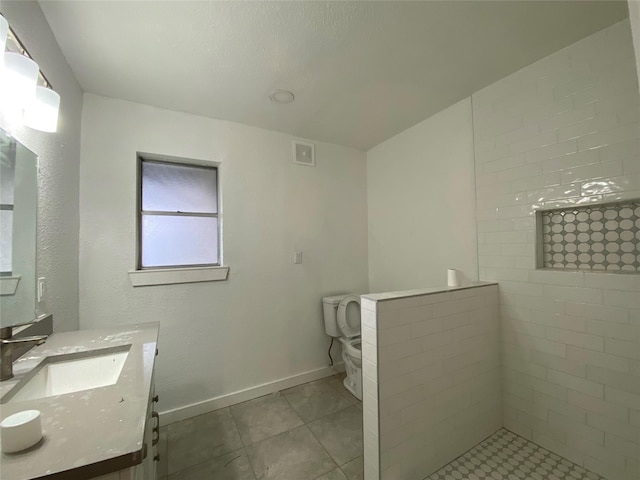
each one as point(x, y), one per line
point(354, 387)
point(353, 381)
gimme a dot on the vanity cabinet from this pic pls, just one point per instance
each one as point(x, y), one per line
point(147, 470)
point(149, 463)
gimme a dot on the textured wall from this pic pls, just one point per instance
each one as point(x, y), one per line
point(438, 377)
point(421, 200)
point(59, 159)
point(265, 322)
point(560, 132)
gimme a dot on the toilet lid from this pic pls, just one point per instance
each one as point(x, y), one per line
point(350, 327)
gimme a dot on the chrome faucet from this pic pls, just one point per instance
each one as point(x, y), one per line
point(8, 345)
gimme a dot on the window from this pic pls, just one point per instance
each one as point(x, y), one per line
point(178, 215)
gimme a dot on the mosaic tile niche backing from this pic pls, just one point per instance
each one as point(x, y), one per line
point(594, 237)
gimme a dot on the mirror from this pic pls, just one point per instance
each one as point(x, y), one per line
point(18, 224)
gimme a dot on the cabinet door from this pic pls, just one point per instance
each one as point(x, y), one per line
point(131, 473)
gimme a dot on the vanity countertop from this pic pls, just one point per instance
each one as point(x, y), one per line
point(90, 432)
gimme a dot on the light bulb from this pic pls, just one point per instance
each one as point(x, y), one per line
point(19, 79)
point(42, 112)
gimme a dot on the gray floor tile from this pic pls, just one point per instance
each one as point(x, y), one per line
point(336, 382)
point(231, 466)
point(201, 438)
point(341, 434)
point(292, 455)
point(354, 470)
point(336, 474)
point(315, 400)
point(264, 417)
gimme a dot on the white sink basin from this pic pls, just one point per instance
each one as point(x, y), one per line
point(68, 373)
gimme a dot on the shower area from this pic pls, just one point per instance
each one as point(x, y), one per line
point(533, 371)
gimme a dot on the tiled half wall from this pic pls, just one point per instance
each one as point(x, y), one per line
point(431, 378)
point(562, 132)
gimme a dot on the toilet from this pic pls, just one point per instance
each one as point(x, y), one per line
point(342, 321)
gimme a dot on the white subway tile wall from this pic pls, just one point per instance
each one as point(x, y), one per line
point(547, 137)
point(438, 378)
point(370, 390)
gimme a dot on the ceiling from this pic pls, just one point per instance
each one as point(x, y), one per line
point(361, 71)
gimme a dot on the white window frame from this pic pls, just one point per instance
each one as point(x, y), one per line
point(165, 275)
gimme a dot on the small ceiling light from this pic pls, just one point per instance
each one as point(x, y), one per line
point(19, 80)
point(281, 96)
point(42, 113)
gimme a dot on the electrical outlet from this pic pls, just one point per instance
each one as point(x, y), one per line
point(297, 257)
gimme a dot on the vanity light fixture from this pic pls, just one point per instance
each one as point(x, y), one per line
point(4, 29)
point(25, 94)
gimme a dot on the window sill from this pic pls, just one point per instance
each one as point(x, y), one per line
point(9, 285)
point(171, 276)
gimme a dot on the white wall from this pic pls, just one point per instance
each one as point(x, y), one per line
point(561, 132)
point(634, 17)
point(264, 323)
point(421, 200)
point(59, 158)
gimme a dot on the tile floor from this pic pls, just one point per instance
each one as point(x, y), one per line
point(507, 456)
point(314, 432)
point(309, 432)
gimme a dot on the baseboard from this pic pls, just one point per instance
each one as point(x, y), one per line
point(195, 409)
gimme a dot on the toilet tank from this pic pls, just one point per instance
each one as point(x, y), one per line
point(330, 310)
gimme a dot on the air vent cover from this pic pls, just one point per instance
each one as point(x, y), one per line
point(304, 153)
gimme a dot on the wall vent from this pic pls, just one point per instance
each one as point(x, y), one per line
point(603, 237)
point(304, 153)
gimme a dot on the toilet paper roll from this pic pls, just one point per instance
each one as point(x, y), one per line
point(452, 278)
point(21, 431)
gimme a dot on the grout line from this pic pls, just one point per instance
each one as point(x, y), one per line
point(332, 413)
point(352, 404)
point(244, 447)
point(253, 469)
point(235, 425)
point(323, 448)
point(475, 186)
point(464, 453)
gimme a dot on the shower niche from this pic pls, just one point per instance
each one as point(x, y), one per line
point(599, 237)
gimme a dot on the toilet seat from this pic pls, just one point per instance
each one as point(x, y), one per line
point(343, 324)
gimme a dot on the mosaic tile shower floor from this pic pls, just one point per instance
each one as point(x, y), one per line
point(506, 456)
